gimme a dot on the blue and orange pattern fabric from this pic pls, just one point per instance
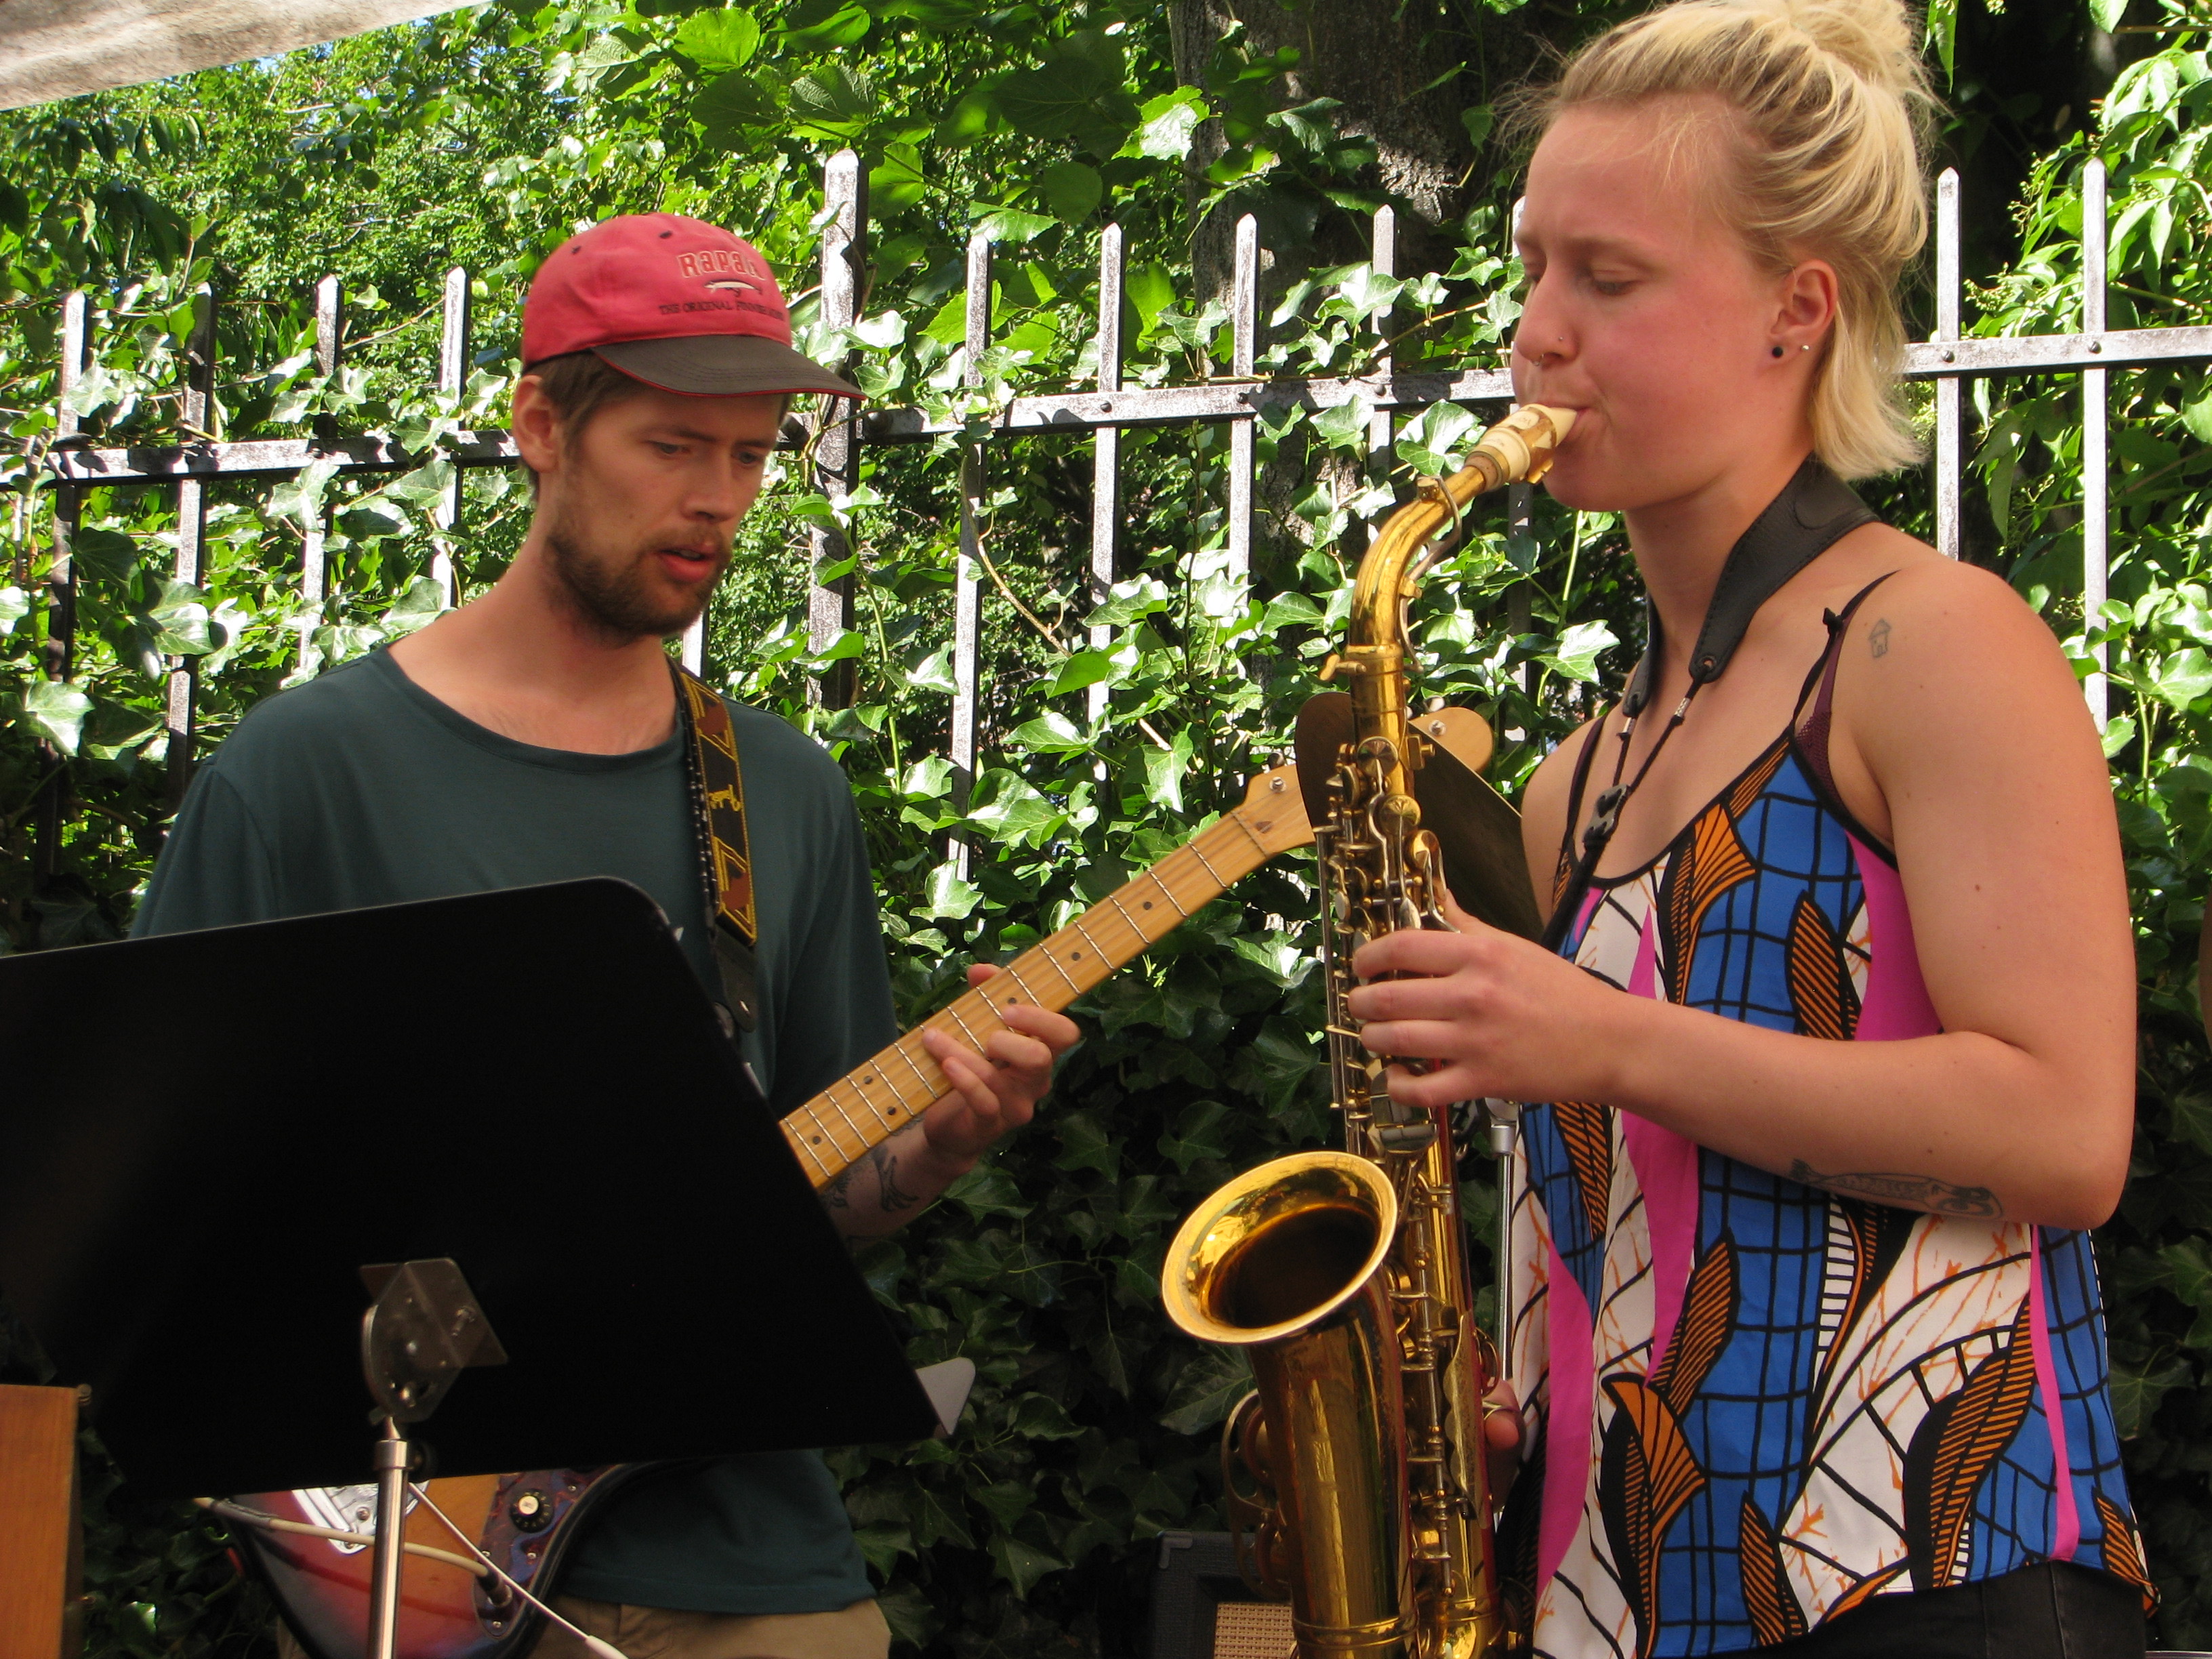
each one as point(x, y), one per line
point(1756, 1403)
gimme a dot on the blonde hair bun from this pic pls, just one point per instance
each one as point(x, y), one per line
point(1832, 107)
point(1875, 38)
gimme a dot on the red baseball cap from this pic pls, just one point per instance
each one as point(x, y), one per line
point(673, 302)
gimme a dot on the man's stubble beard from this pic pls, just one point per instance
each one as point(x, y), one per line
point(614, 598)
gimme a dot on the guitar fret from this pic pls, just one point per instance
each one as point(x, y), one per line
point(870, 1116)
point(1166, 891)
point(888, 1114)
point(1237, 818)
point(817, 1123)
point(953, 1010)
point(1061, 971)
point(799, 1140)
point(858, 1133)
point(1013, 977)
point(1198, 853)
point(1114, 899)
point(928, 1089)
point(1102, 956)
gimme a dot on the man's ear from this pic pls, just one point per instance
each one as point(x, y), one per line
point(535, 426)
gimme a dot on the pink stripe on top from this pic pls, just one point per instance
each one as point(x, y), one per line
point(1567, 1420)
point(2066, 1522)
point(1897, 1007)
point(1665, 1166)
point(1896, 1003)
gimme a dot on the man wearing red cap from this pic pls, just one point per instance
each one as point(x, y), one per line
point(532, 736)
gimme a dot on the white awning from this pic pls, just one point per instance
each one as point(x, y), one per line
point(51, 49)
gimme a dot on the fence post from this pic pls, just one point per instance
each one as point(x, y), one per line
point(314, 576)
point(1245, 328)
point(1106, 451)
point(58, 656)
point(200, 416)
point(452, 376)
point(967, 595)
point(2096, 412)
point(1379, 434)
point(1950, 455)
point(837, 450)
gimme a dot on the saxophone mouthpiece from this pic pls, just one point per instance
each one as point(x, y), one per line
point(1520, 447)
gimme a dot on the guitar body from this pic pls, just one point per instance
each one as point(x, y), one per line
point(526, 1522)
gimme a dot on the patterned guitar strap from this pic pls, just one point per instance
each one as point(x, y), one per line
point(725, 868)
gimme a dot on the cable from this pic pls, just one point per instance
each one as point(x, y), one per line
point(592, 1645)
point(265, 1522)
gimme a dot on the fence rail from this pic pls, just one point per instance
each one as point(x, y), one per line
point(1100, 412)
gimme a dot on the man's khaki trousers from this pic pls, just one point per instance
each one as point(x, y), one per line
point(855, 1632)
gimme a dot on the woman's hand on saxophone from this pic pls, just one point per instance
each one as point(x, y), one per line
point(1501, 1436)
point(1493, 1014)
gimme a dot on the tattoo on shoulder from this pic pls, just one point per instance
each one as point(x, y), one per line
point(1910, 1191)
point(1878, 637)
point(893, 1197)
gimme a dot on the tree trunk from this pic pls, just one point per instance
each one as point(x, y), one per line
point(1391, 68)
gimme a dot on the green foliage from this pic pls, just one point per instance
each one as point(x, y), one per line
point(2153, 630)
point(481, 138)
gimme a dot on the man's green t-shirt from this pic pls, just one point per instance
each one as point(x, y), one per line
point(361, 788)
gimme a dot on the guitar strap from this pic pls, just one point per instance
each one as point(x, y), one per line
point(717, 790)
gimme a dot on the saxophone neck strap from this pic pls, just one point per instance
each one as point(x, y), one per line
point(717, 792)
point(1814, 511)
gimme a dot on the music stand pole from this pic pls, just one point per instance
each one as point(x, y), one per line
point(392, 1453)
point(423, 1331)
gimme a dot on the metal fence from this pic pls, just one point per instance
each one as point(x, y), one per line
point(1098, 413)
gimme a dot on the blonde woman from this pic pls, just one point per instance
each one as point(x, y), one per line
point(1833, 1060)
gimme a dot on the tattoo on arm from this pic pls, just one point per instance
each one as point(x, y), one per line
point(838, 1195)
point(893, 1197)
point(1878, 638)
point(1908, 1192)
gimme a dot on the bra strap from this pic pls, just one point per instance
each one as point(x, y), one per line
point(1813, 735)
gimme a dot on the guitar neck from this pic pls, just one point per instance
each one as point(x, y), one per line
point(868, 1105)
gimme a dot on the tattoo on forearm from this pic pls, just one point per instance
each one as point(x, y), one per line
point(1878, 638)
point(893, 1197)
point(838, 1195)
point(1908, 1191)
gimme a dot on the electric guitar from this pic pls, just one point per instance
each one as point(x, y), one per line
point(313, 1547)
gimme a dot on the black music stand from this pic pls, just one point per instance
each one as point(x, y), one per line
point(207, 1136)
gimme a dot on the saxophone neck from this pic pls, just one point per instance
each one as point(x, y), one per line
point(1518, 449)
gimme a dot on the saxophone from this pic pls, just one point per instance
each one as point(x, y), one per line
point(1354, 1473)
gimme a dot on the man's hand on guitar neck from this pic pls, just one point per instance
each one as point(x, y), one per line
point(991, 1093)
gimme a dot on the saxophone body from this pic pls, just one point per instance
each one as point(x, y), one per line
point(1355, 1474)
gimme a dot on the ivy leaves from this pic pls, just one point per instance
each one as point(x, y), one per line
point(1075, 91)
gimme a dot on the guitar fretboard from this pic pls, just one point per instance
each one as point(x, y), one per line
point(837, 1127)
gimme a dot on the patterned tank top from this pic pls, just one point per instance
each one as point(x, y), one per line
point(1759, 1404)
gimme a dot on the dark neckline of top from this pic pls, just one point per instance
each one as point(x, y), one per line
point(381, 664)
point(1793, 737)
point(1822, 792)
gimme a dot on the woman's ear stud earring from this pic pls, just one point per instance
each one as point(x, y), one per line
point(1777, 351)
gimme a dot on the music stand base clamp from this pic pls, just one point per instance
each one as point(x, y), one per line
point(423, 1331)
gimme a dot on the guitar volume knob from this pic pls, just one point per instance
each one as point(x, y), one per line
point(531, 1512)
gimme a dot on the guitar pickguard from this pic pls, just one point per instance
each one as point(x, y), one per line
point(343, 1509)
